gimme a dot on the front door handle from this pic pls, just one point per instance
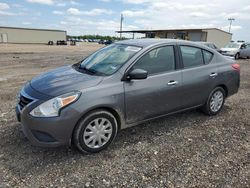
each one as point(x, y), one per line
point(213, 74)
point(172, 82)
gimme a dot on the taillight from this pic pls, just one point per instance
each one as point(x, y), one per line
point(236, 66)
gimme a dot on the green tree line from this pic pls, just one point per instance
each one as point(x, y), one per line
point(95, 37)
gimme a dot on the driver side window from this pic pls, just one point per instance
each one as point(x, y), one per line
point(156, 61)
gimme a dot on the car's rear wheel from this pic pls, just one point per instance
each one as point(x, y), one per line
point(214, 102)
point(95, 131)
point(237, 56)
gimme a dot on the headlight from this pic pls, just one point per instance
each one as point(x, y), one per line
point(52, 107)
point(233, 52)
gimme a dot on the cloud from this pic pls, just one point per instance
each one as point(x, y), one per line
point(26, 23)
point(17, 5)
point(45, 2)
point(74, 3)
point(61, 4)
point(130, 13)
point(233, 28)
point(5, 13)
point(3, 10)
point(74, 11)
point(237, 15)
point(56, 12)
point(4, 6)
point(200, 15)
point(93, 12)
point(247, 8)
point(136, 1)
point(106, 1)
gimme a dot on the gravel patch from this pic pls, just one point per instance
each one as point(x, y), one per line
point(188, 149)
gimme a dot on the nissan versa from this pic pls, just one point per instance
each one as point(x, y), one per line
point(123, 84)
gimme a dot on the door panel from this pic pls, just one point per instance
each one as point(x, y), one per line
point(198, 79)
point(153, 96)
point(198, 82)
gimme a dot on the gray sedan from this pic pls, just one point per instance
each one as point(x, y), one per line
point(121, 85)
point(245, 51)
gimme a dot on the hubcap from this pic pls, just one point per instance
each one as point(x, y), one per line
point(97, 133)
point(216, 101)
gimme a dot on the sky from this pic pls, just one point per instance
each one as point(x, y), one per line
point(81, 17)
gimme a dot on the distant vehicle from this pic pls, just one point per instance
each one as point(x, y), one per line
point(245, 51)
point(107, 42)
point(121, 85)
point(61, 42)
point(101, 41)
point(210, 45)
point(234, 49)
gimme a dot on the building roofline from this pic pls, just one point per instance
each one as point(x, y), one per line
point(180, 29)
point(5, 27)
point(217, 29)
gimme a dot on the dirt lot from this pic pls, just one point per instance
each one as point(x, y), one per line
point(183, 150)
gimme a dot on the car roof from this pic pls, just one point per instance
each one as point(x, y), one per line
point(149, 42)
point(201, 42)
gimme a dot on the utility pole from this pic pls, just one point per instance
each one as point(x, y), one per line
point(230, 20)
point(121, 26)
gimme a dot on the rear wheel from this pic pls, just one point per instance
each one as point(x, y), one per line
point(214, 102)
point(95, 131)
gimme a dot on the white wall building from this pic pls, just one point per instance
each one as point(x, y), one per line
point(27, 35)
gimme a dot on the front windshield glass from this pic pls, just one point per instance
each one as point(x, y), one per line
point(109, 59)
point(232, 45)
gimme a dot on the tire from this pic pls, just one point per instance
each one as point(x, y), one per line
point(217, 97)
point(237, 56)
point(95, 131)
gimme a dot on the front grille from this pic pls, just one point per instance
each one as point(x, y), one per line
point(24, 101)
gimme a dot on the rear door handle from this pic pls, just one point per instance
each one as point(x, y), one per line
point(213, 74)
point(172, 82)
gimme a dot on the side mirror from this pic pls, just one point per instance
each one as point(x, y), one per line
point(137, 74)
point(243, 46)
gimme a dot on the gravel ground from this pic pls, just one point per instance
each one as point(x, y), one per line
point(183, 150)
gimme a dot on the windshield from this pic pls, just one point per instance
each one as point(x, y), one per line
point(109, 59)
point(232, 45)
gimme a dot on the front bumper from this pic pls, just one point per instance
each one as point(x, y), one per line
point(228, 54)
point(47, 132)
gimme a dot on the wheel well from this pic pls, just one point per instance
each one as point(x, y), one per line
point(225, 89)
point(110, 110)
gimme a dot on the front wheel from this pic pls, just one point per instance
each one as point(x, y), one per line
point(214, 102)
point(237, 56)
point(95, 131)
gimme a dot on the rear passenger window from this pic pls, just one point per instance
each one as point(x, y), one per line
point(207, 56)
point(191, 56)
point(157, 61)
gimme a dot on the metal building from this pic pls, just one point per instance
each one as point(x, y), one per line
point(217, 36)
point(28, 35)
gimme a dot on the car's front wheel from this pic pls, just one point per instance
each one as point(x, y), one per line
point(237, 56)
point(214, 102)
point(95, 131)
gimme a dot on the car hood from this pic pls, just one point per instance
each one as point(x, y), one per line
point(229, 49)
point(63, 80)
